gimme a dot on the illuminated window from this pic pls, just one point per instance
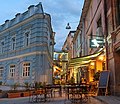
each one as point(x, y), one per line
point(1, 71)
point(26, 70)
point(12, 70)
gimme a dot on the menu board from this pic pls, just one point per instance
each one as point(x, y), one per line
point(103, 81)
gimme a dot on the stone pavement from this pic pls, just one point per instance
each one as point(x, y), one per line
point(63, 100)
point(25, 100)
point(108, 99)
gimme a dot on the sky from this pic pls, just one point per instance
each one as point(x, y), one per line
point(61, 11)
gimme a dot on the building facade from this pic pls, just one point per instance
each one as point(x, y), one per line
point(26, 47)
point(98, 29)
point(68, 47)
point(90, 31)
point(113, 42)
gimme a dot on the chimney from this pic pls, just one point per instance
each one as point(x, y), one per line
point(39, 8)
point(17, 17)
point(6, 23)
point(31, 10)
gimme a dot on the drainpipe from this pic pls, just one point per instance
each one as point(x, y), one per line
point(113, 27)
point(106, 33)
point(83, 36)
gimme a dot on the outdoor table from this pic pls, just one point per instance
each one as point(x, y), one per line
point(52, 87)
point(79, 88)
point(45, 93)
point(36, 95)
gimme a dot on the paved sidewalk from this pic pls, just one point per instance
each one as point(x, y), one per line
point(108, 99)
point(25, 100)
point(63, 100)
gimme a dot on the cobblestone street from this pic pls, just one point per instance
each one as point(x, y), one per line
point(63, 100)
point(56, 100)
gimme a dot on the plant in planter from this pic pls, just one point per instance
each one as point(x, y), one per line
point(38, 85)
point(96, 76)
point(72, 80)
point(14, 86)
point(27, 86)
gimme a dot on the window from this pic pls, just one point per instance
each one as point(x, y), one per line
point(118, 12)
point(26, 70)
point(12, 70)
point(99, 32)
point(13, 42)
point(91, 35)
point(27, 38)
point(99, 23)
point(1, 71)
point(2, 46)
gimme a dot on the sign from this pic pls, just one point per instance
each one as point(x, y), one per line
point(103, 83)
point(94, 43)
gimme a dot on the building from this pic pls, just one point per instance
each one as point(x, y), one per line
point(60, 65)
point(68, 47)
point(112, 8)
point(26, 47)
point(96, 43)
point(88, 42)
point(93, 33)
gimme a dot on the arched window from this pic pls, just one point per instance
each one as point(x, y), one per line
point(2, 46)
point(27, 38)
point(13, 42)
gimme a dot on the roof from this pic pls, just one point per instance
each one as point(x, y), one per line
point(22, 16)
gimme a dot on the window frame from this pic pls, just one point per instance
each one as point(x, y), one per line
point(2, 46)
point(26, 69)
point(12, 71)
point(13, 42)
point(118, 12)
point(1, 71)
point(27, 38)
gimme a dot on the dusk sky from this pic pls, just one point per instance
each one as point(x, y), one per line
point(61, 11)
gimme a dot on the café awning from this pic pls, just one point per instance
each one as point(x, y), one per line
point(83, 61)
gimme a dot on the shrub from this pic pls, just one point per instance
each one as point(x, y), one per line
point(14, 86)
point(27, 85)
point(0, 82)
point(96, 76)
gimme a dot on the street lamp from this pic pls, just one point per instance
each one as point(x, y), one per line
point(68, 26)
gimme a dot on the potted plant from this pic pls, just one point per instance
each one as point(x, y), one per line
point(96, 76)
point(27, 86)
point(72, 80)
